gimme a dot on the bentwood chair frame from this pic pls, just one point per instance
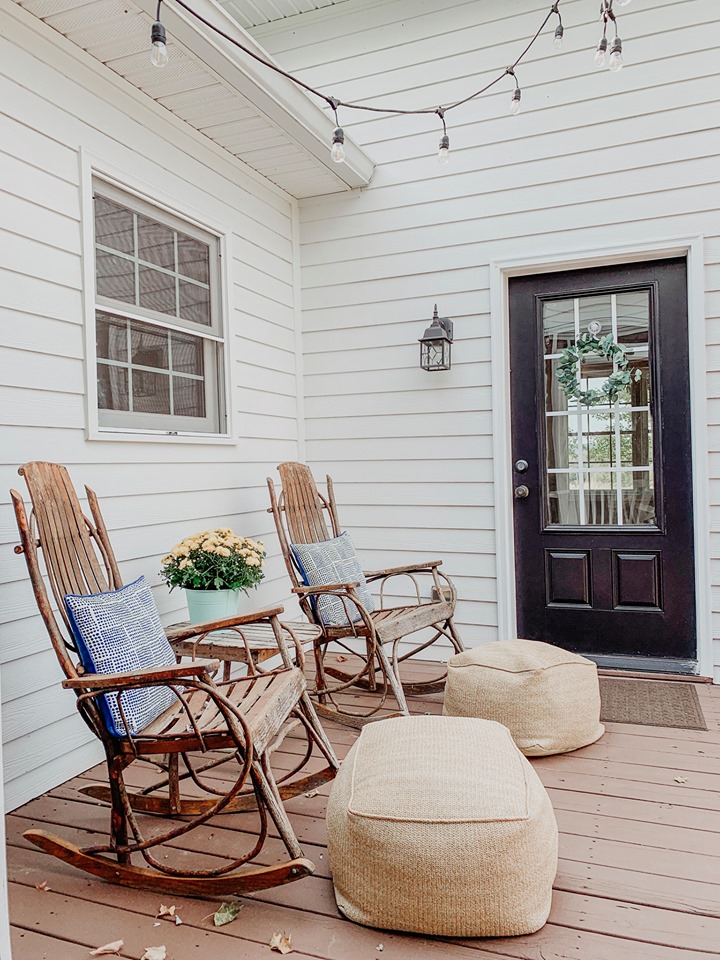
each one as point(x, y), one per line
point(300, 512)
point(244, 719)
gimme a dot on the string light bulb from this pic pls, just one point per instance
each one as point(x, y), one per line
point(443, 153)
point(600, 52)
point(337, 150)
point(515, 102)
point(158, 41)
point(559, 31)
point(615, 63)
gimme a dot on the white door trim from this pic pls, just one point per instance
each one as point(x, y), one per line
point(500, 273)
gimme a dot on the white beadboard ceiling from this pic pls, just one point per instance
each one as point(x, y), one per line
point(255, 13)
point(260, 117)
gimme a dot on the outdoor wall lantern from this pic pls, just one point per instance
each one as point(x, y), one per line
point(436, 344)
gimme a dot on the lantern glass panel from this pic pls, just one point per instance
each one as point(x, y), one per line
point(435, 354)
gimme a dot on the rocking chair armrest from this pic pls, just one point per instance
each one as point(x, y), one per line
point(337, 588)
point(409, 568)
point(194, 630)
point(101, 681)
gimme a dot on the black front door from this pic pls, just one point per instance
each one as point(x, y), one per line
point(603, 493)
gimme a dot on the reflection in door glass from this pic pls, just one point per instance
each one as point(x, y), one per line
point(600, 458)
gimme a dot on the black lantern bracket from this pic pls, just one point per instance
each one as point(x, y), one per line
point(435, 344)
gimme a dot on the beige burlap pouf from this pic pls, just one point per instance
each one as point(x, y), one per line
point(439, 825)
point(548, 698)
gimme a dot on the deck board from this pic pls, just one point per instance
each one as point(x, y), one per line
point(638, 876)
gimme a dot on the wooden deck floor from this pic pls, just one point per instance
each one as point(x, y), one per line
point(638, 879)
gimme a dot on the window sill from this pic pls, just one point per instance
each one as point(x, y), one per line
point(158, 436)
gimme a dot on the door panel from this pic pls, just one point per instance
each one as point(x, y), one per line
point(604, 533)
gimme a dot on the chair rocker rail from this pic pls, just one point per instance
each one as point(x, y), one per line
point(243, 717)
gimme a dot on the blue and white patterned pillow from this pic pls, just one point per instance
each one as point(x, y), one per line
point(117, 632)
point(333, 561)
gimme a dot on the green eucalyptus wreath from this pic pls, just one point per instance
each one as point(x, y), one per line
point(571, 357)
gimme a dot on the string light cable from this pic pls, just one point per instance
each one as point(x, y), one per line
point(159, 57)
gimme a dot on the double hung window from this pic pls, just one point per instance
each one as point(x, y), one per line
point(158, 328)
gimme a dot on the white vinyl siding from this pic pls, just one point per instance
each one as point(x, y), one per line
point(58, 104)
point(593, 159)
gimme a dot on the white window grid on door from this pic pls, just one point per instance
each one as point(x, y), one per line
point(578, 467)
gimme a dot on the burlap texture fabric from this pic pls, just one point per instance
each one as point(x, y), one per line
point(439, 825)
point(547, 697)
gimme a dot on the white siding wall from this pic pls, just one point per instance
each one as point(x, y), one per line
point(593, 159)
point(153, 493)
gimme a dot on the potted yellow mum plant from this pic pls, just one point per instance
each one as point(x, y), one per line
point(213, 567)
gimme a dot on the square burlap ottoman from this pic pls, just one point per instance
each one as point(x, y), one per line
point(547, 697)
point(439, 825)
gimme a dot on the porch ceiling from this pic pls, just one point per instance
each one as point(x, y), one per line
point(259, 116)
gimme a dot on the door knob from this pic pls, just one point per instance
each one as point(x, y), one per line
point(521, 492)
point(521, 466)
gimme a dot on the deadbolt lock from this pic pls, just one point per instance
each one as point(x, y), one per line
point(521, 492)
point(521, 466)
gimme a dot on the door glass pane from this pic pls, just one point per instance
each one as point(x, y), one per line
point(599, 458)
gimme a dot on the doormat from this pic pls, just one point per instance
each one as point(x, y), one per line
point(652, 703)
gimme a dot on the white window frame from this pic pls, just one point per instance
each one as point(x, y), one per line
point(119, 425)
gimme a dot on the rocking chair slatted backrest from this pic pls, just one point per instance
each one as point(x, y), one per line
point(77, 554)
point(303, 505)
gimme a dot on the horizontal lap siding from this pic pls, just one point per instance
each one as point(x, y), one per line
point(152, 494)
point(593, 159)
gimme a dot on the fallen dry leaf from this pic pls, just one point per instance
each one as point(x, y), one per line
point(154, 953)
point(168, 913)
point(109, 948)
point(282, 942)
point(226, 913)
point(680, 779)
point(379, 948)
point(312, 793)
point(340, 658)
point(43, 886)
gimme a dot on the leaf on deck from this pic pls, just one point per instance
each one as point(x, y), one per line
point(282, 942)
point(109, 948)
point(226, 913)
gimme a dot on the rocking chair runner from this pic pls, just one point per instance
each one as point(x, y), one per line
point(246, 718)
point(298, 514)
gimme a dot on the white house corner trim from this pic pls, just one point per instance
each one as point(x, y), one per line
point(500, 272)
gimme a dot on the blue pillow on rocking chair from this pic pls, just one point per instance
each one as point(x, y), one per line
point(117, 632)
point(333, 561)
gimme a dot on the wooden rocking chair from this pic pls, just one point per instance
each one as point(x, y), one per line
point(244, 718)
point(298, 514)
